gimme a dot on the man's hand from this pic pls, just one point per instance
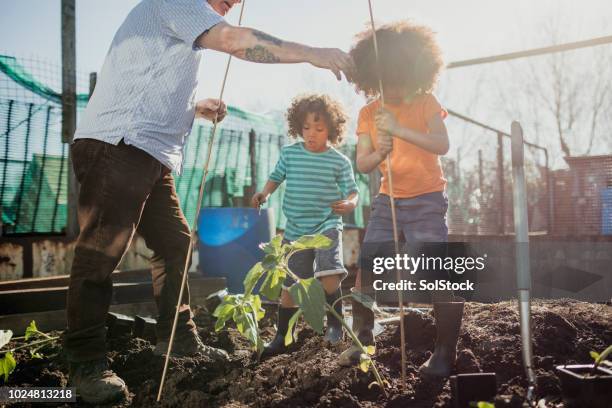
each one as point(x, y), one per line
point(343, 207)
point(258, 199)
point(386, 122)
point(335, 60)
point(211, 109)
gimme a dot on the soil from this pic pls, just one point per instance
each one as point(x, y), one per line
point(309, 376)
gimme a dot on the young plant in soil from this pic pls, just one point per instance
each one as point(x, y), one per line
point(33, 341)
point(308, 294)
point(600, 358)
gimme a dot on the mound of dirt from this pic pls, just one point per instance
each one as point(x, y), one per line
point(309, 376)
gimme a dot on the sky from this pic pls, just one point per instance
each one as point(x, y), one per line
point(466, 29)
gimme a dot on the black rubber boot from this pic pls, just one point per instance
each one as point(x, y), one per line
point(363, 326)
point(277, 345)
point(448, 316)
point(334, 331)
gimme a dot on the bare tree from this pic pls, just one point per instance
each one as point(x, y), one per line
point(566, 95)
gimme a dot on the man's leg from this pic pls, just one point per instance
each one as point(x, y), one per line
point(115, 182)
point(166, 231)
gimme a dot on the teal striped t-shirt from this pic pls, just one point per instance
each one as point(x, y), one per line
point(314, 182)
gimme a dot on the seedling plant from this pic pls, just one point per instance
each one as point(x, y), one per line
point(601, 358)
point(33, 341)
point(246, 310)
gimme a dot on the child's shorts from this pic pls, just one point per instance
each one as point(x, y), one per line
point(318, 262)
point(419, 219)
point(421, 224)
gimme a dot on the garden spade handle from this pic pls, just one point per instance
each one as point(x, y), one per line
point(392, 199)
point(523, 272)
point(193, 229)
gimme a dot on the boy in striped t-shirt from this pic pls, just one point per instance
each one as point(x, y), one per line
point(320, 189)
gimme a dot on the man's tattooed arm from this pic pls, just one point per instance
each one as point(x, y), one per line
point(256, 46)
point(267, 37)
point(260, 54)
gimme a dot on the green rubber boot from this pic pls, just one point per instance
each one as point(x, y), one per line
point(448, 316)
point(277, 345)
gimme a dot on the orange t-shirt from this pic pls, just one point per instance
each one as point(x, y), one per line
point(415, 171)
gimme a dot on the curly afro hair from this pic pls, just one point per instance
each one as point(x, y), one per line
point(322, 106)
point(410, 58)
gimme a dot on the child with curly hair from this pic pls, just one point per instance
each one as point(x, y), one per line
point(409, 128)
point(320, 188)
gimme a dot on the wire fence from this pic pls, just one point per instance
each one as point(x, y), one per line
point(34, 161)
point(479, 174)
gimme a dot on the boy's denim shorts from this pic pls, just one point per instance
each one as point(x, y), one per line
point(318, 262)
point(420, 219)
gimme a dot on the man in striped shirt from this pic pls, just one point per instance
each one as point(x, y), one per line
point(129, 139)
point(320, 188)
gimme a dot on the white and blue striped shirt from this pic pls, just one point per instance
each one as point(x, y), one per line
point(145, 92)
point(314, 182)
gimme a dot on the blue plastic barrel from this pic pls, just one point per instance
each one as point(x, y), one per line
point(229, 241)
point(606, 211)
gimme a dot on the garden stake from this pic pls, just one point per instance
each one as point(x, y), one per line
point(193, 235)
point(392, 199)
point(523, 272)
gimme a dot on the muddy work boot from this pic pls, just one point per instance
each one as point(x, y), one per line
point(334, 332)
point(190, 345)
point(363, 326)
point(277, 345)
point(448, 317)
point(96, 383)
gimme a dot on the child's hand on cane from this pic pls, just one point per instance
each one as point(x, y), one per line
point(386, 125)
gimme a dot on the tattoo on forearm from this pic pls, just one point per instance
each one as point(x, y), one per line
point(260, 54)
point(267, 37)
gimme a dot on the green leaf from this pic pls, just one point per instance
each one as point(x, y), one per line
point(247, 325)
point(271, 288)
point(269, 262)
point(7, 365)
point(289, 335)
point(484, 404)
point(31, 331)
point(274, 246)
point(252, 277)
point(5, 337)
point(224, 312)
point(604, 354)
point(308, 294)
point(364, 362)
point(594, 355)
point(318, 241)
point(259, 311)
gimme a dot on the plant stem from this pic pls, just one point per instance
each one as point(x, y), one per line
point(27, 345)
point(340, 299)
point(349, 330)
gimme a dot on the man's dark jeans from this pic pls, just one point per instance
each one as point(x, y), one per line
point(123, 190)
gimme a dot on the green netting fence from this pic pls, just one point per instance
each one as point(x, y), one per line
point(34, 162)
